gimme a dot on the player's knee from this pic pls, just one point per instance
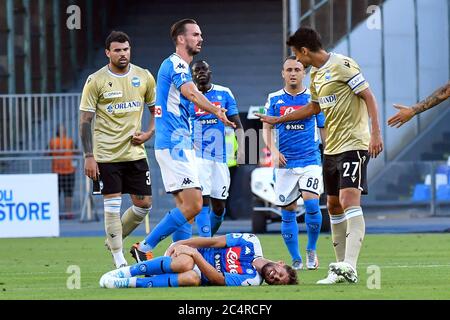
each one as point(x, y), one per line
point(143, 202)
point(182, 263)
point(190, 278)
point(291, 207)
point(334, 207)
point(192, 208)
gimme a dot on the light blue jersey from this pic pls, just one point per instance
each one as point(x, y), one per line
point(298, 140)
point(172, 108)
point(235, 260)
point(208, 131)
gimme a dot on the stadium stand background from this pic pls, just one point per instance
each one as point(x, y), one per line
point(404, 60)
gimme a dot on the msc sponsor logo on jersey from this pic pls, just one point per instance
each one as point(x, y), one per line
point(124, 107)
point(232, 263)
point(217, 263)
point(209, 121)
point(158, 112)
point(136, 82)
point(112, 94)
point(200, 112)
point(288, 109)
point(328, 101)
point(295, 126)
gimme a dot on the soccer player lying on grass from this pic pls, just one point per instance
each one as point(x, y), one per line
point(235, 259)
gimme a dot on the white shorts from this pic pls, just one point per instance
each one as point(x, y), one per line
point(289, 183)
point(214, 178)
point(178, 171)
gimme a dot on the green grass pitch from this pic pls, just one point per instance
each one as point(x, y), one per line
point(414, 266)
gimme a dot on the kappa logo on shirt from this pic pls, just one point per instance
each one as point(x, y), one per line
point(279, 101)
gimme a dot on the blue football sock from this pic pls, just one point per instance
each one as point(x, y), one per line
point(203, 222)
point(216, 221)
point(152, 267)
point(289, 231)
point(182, 233)
point(171, 222)
point(313, 220)
point(162, 280)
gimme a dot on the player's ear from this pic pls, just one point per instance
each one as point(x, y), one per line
point(107, 52)
point(281, 263)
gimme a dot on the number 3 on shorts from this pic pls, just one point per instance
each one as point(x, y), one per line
point(147, 174)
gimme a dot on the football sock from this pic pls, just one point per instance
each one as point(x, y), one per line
point(162, 280)
point(132, 218)
point(313, 220)
point(152, 267)
point(338, 228)
point(182, 233)
point(113, 228)
point(171, 222)
point(203, 222)
point(289, 231)
point(216, 221)
point(355, 234)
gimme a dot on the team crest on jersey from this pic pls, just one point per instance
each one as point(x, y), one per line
point(282, 198)
point(286, 110)
point(200, 112)
point(232, 263)
point(249, 271)
point(328, 75)
point(135, 82)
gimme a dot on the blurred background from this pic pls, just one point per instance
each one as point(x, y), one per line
point(49, 47)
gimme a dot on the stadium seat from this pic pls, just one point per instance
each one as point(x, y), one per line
point(422, 192)
point(443, 193)
point(441, 179)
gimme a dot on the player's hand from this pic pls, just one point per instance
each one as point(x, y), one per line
point(278, 159)
point(221, 114)
point(183, 249)
point(404, 115)
point(267, 119)
point(375, 145)
point(140, 137)
point(91, 168)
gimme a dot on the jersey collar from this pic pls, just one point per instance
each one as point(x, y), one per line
point(119, 75)
point(302, 92)
point(332, 54)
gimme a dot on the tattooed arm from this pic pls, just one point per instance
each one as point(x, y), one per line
point(85, 127)
point(405, 114)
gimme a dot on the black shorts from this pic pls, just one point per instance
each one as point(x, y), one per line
point(66, 183)
point(345, 170)
point(132, 177)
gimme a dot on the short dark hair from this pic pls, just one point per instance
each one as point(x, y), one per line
point(290, 58)
point(179, 28)
point(116, 36)
point(292, 274)
point(305, 37)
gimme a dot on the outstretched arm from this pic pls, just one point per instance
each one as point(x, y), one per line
point(305, 112)
point(190, 91)
point(405, 113)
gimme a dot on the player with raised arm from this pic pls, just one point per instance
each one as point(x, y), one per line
point(295, 149)
point(116, 96)
point(339, 89)
point(235, 259)
point(173, 144)
point(210, 150)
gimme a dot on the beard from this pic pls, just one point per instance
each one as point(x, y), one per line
point(120, 65)
point(192, 51)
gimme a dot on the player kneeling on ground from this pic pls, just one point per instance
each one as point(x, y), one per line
point(234, 259)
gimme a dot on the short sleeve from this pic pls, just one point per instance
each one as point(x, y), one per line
point(320, 118)
point(231, 106)
point(89, 97)
point(179, 73)
point(268, 107)
point(350, 73)
point(150, 93)
point(312, 89)
point(233, 280)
